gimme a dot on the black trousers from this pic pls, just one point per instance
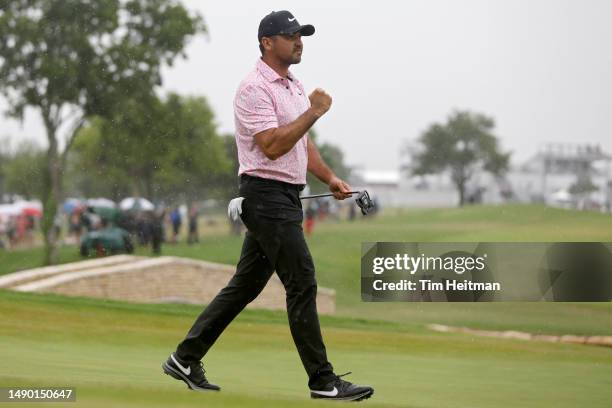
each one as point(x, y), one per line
point(272, 212)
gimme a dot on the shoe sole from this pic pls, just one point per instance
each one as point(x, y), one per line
point(180, 376)
point(356, 398)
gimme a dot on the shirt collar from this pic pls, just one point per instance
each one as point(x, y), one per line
point(270, 74)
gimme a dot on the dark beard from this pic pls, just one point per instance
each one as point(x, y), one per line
point(292, 60)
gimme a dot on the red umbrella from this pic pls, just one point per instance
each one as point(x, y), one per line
point(31, 212)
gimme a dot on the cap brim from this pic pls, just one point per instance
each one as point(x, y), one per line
point(305, 30)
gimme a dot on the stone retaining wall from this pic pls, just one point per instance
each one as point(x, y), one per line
point(162, 279)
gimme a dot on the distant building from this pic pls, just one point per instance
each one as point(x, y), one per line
point(571, 175)
point(563, 175)
point(394, 189)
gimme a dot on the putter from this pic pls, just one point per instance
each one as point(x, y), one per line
point(363, 200)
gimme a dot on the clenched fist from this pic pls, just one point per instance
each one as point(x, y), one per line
point(320, 101)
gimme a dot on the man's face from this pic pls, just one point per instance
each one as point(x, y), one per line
point(286, 48)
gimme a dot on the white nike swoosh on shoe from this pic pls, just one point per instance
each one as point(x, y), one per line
point(185, 371)
point(331, 393)
point(291, 19)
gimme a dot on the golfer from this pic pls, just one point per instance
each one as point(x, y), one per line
point(273, 115)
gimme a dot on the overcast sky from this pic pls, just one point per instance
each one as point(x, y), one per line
point(541, 68)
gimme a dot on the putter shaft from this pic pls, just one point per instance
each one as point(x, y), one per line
point(324, 195)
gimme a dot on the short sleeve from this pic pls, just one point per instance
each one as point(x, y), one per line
point(254, 110)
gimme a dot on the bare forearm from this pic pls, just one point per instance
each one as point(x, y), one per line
point(316, 165)
point(279, 141)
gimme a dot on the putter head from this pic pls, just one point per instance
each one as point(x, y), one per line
point(364, 202)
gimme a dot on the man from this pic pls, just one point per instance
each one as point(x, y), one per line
point(273, 115)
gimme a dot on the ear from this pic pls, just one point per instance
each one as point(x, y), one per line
point(266, 42)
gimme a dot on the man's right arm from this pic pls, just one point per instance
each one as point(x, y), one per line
point(277, 141)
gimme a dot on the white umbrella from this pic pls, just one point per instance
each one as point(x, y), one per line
point(36, 204)
point(136, 203)
point(9, 209)
point(30, 208)
point(101, 203)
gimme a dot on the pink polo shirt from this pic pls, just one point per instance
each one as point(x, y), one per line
point(266, 100)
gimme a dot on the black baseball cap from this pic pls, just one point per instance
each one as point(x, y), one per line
point(282, 22)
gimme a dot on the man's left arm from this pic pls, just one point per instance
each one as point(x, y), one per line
point(317, 166)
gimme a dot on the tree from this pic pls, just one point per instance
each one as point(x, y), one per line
point(90, 166)
point(22, 171)
point(226, 184)
point(161, 149)
point(583, 186)
point(197, 155)
point(333, 156)
point(463, 145)
point(4, 157)
point(73, 59)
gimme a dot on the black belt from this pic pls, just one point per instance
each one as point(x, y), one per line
point(246, 178)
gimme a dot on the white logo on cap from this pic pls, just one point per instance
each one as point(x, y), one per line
point(291, 19)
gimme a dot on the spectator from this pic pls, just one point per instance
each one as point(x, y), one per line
point(74, 223)
point(157, 230)
point(311, 213)
point(175, 219)
point(352, 213)
point(193, 225)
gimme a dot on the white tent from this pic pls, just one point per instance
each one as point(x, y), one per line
point(101, 202)
point(136, 203)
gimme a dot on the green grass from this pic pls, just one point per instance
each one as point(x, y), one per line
point(111, 353)
point(20, 259)
point(336, 249)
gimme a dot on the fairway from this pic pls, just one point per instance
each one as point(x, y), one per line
point(336, 249)
point(112, 351)
point(185, 225)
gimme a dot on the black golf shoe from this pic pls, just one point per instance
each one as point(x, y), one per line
point(341, 390)
point(190, 373)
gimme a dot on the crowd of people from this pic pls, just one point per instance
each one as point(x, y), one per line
point(154, 225)
point(146, 227)
point(17, 230)
point(19, 219)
